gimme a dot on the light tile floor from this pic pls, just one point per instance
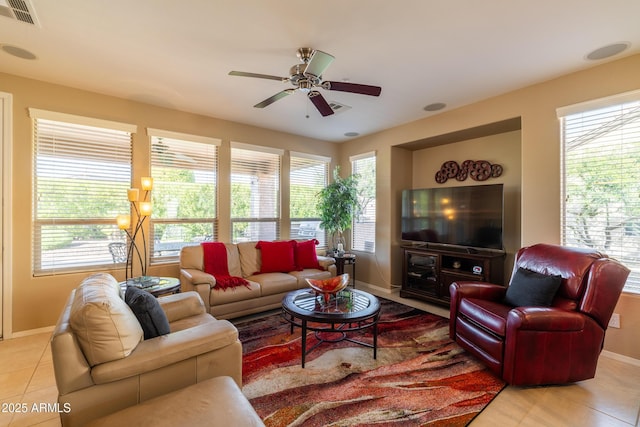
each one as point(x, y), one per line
point(612, 398)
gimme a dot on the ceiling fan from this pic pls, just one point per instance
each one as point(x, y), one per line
point(307, 76)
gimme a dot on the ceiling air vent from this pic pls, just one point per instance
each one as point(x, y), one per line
point(19, 10)
point(337, 107)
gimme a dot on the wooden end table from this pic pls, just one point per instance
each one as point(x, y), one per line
point(346, 259)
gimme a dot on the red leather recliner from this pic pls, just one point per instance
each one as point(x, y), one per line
point(541, 345)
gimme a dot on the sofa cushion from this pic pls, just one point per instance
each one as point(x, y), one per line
point(277, 257)
point(310, 273)
point(104, 324)
point(275, 283)
point(151, 316)
point(249, 258)
point(306, 256)
point(531, 289)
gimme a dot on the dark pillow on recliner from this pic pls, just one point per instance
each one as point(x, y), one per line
point(531, 289)
point(148, 312)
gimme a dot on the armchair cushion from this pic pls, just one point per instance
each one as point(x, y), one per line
point(277, 257)
point(105, 326)
point(528, 288)
point(151, 316)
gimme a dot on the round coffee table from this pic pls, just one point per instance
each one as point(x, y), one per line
point(348, 311)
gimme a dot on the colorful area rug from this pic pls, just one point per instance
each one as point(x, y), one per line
point(420, 377)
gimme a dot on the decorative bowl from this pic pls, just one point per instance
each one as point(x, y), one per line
point(328, 287)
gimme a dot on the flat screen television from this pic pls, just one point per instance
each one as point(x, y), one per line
point(467, 217)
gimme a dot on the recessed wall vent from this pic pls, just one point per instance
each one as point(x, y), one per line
point(337, 107)
point(19, 10)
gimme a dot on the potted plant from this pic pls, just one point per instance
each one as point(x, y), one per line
point(337, 203)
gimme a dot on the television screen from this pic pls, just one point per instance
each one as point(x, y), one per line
point(469, 216)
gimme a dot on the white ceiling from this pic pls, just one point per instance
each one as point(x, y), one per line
point(177, 54)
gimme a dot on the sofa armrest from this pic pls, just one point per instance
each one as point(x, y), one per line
point(182, 305)
point(167, 349)
point(198, 277)
point(326, 261)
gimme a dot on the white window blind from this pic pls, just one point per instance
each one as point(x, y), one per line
point(308, 175)
point(255, 193)
point(185, 172)
point(363, 232)
point(81, 176)
point(601, 182)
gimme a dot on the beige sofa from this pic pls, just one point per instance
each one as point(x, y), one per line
point(102, 364)
point(264, 292)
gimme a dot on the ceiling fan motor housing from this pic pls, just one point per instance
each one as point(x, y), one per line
point(304, 53)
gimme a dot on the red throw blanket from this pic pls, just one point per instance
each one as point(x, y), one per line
point(215, 263)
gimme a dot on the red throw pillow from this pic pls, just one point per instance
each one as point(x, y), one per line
point(306, 256)
point(277, 257)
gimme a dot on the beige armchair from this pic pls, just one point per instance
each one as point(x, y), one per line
point(102, 364)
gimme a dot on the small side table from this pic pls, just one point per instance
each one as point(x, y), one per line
point(165, 286)
point(346, 259)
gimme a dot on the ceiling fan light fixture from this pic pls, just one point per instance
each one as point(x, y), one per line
point(318, 63)
point(305, 85)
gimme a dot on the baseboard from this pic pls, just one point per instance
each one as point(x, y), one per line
point(620, 357)
point(368, 286)
point(394, 295)
point(31, 332)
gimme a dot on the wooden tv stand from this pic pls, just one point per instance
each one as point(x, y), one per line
point(427, 272)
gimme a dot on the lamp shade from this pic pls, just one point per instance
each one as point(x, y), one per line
point(146, 182)
point(123, 221)
point(133, 194)
point(145, 208)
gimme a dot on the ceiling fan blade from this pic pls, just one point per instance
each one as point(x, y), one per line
point(259, 76)
point(318, 63)
point(353, 88)
point(274, 98)
point(321, 104)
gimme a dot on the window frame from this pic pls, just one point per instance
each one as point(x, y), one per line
point(595, 139)
point(185, 139)
point(277, 201)
point(325, 162)
point(62, 122)
point(357, 232)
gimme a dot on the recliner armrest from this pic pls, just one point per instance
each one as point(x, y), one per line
point(482, 290)
point(545, 319)
point(167, 349)
point(182, 305)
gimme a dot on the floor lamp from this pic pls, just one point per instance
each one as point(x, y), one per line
point(142, 208)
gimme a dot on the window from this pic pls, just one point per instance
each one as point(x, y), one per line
point(184, 170)
point(82, 170)
point(601, 179)
point(255, 193)
point(363, 233)
point(308, 175)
